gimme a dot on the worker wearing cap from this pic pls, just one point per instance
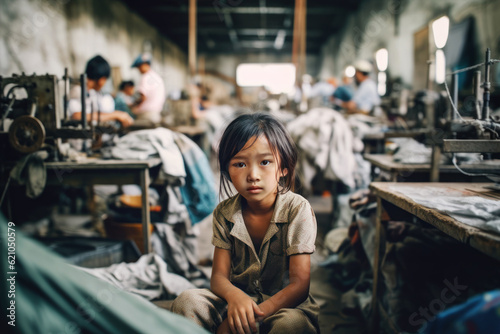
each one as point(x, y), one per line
point(365, 97)
point(149, 105)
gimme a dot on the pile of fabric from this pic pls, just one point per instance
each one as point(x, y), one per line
point(327, 144)
point(183, 164)
point(190, 197)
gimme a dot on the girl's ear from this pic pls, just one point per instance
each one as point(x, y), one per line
point(284, 172)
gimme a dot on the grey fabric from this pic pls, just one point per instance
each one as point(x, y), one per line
point(144, 144)
point(30, 171)
point(177, 245)
point(148, 277)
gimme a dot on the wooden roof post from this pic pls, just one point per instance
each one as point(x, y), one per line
point(299, 38)
point(192, 38)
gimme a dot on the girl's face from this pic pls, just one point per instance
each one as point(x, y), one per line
point(255, 173)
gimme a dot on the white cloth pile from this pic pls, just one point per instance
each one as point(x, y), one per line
point(326, 141)
point(144, 144)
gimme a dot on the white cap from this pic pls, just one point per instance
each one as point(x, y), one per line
point(363, 66)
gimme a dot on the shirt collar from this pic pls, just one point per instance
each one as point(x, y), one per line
point(232, 210)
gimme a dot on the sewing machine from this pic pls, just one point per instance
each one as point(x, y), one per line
point(33, 115)
point(28, 106)
point(479, 134)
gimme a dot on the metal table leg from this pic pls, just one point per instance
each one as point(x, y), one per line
point(146, 218)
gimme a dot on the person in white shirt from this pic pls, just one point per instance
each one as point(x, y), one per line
point(98, 72)
point(365, 97)
point(149, 104)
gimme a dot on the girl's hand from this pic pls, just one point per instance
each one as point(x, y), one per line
point(241, 313)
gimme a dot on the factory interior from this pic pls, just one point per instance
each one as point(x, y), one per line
point(121, 158)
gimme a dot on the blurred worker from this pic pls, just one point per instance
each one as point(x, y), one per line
point(98, 72)
point(321, 92)
point(342, 93)
point(149, 104)
point(125, 97)
point(365, 97)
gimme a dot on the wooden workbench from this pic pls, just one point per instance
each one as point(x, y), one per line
point(409, 172)
point(96, 171)
point(394, 193)
point(486, 242)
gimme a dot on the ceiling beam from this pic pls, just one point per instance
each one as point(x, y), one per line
point(221, 9)
point(259, 44)
point(243, 32)
point(228, 49)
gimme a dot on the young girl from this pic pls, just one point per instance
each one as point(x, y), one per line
point(263, 238)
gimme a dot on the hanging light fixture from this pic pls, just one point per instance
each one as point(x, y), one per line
point(382, 59)
point(440, 31)
point(349, 71)
point(440, 66)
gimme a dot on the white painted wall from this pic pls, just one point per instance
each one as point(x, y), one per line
point(374, 26)
point(45, 36)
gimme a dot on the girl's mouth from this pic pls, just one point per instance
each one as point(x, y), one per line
point(254, 189)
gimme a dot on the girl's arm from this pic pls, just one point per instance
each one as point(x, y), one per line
point(295, 292)
point(241, 308)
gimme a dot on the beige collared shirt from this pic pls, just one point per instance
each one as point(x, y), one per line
point(266, 271)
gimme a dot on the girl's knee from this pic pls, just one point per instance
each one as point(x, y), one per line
point(201, 306)
point(291, 321)
point(187, 300)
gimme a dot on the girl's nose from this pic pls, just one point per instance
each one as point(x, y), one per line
point(253, 174)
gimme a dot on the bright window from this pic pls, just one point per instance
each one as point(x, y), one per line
point(277, 78)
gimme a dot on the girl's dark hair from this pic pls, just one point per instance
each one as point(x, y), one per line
point(246, 126)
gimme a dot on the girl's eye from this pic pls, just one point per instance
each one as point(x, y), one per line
point(239, 164)
point(265, 162)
